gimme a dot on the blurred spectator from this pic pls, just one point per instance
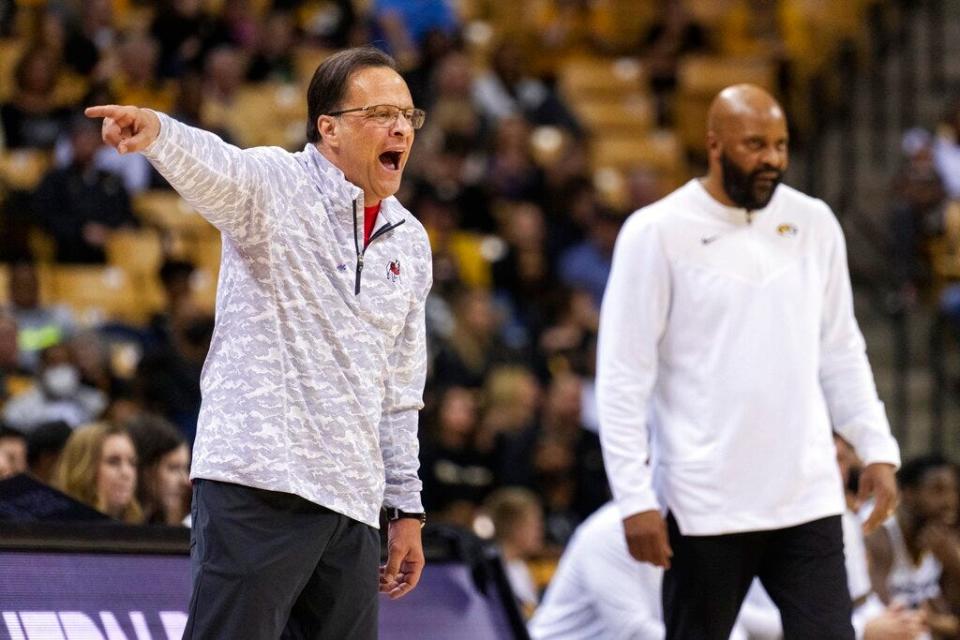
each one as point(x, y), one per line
point(185, 33)
point(8, 9)
point(91, 352)
point(136, 80)
point(523, 277)
point(518, 530)
point(331, 24)
point(38, 326)
point(947, 150)
point(44, 447)
point(163, 481)
point(917, 215)
point(98, 467)
point(511, 408)
point(456, 474)
point(175, 277)
point(586, 265)
point(458, 258)
point(79, 205)
point(673, 34)
point(13, 452)
point(474, 345)
point(403, 26)
point(13, 378)
point(507, 90)
point(90, 38)
point(240, 24)
point(511, 173)
point(598, 590)
point(58, 395)
point(273, 60)
point(168, 377)
point(223, 75)
point(916, 549)
point(31, 117)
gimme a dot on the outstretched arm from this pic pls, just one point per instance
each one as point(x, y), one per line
point(223, 183)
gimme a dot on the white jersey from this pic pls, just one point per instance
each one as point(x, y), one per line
point(908, 583)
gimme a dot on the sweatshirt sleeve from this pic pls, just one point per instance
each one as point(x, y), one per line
point(632, 320)
point(222, 182)
point(403, 399)
point(855, 409)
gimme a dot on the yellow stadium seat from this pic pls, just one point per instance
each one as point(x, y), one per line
point(596, 78)
point(23, 168)
point(633, 114)
point(139, 252)
point(167, 211)
point(659, 150)
point(10, 51)
point(96, 294)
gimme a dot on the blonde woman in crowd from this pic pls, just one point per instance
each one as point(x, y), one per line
point(99, 468)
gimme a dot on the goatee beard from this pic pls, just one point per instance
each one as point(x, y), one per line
point(741, 187)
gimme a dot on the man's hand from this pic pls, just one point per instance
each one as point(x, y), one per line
point(126, 129)
point(404, 558)
point(878, 480)
point(647, 538)
point(896, 623)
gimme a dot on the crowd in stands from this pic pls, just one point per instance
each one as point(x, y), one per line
point(522, 175)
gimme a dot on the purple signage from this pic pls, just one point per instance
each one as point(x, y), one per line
point(87, 596)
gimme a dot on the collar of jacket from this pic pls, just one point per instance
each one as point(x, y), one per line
point(339, 194)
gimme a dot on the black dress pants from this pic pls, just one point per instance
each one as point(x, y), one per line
point(269, 565)
point(801, 567)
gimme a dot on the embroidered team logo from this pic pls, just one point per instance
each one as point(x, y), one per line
point(393, 271)
point(787, 230)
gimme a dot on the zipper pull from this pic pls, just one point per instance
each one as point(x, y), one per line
point(356, 288)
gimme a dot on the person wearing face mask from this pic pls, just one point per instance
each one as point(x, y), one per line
point(728, 349)
point(58, 395)
point(311, 387)
point(99, 468)
point(163, 483)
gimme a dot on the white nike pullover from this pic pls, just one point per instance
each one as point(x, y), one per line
point(728, 351)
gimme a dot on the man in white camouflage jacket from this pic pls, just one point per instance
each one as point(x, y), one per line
point(315, 374)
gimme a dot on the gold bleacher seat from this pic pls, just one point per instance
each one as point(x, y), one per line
point(23, 168)
point(271, 114)
point(305, 62)
point(167, 211)
point(4, 284)
point(659, 150)
point(10, 51)
point(136, 251)
point(633, 114)
point(97, 294)
point(598, 78)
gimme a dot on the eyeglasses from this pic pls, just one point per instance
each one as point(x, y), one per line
point(387, 114)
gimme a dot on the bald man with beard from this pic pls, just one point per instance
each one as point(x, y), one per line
point(728, 353)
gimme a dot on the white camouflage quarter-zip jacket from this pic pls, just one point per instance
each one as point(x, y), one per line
point(316, 368)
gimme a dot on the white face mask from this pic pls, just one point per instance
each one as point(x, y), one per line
point(61, 380)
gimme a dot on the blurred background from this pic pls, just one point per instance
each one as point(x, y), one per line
point(548, 122)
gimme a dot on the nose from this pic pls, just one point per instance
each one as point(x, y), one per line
point(401, 126)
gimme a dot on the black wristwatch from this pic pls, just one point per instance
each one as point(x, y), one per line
point(396, 514)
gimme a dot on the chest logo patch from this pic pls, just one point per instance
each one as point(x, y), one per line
point(787, 230)
point(393, 271)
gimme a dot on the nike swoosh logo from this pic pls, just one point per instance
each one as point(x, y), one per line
point(709, 239)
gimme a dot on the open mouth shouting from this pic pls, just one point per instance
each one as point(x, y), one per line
point(391, 160)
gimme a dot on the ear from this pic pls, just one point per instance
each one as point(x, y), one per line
point(328, 129)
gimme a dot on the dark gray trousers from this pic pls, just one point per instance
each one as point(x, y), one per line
point(801, 567)
point(269, 565)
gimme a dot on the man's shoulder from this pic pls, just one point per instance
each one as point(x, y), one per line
point(795, 198)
